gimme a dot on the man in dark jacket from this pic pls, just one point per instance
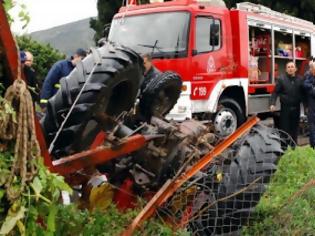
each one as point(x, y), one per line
point(309, 85)
point(30, 75)
point(150, 71)
point(59, 70)
point(289, 88)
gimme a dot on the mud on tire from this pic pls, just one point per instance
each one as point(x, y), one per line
point(112, 89)
point(254, 159)
point(160, 95)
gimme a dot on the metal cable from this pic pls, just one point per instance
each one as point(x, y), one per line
point(97, 60)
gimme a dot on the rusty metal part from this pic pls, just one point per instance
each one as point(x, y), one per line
point(162, 124)
point(192, 128)
point(101, 154)
point(141, 175)
point(163, 157)
point(169, 188)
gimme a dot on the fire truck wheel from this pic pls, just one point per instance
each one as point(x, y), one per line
point(229, 116)
point(244, 178)
point(111, 89)
point(160, 95)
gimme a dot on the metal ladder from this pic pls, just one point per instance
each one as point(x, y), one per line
point(262, 10)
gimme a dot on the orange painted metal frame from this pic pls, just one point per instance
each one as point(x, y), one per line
point(170, 187)
point(98, 155)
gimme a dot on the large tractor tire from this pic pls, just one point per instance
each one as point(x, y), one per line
point(160, 95)
point(245, 176)
point(111, 89)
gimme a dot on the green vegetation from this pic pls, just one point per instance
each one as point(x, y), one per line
point(39, 210)
point(287, 208)
point(106, 11)
point(37, 203)
point(23, 13)
point(44, 55)
point(72, 221)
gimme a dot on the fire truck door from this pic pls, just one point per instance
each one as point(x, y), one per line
point(209, 56)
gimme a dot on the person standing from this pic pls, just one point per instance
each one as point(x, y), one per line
point(59, 70)
point(150, 71)
point(289, 88)
point(31, 76)
point(309, 85)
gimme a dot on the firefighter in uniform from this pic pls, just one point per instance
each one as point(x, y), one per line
point(309, 85)
point(289, 88)
point(58, 70)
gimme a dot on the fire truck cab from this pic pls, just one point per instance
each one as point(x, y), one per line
point(228, 59)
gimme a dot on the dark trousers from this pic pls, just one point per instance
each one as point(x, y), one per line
point(311, 124)
point(289, 120)
point(276, 120)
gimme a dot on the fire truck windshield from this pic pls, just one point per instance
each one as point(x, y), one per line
point(162, 34)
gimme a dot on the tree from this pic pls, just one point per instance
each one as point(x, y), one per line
point(44, 55)
point(23, 13)
point(106, 10)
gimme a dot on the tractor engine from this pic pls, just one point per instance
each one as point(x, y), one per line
point(175, 146)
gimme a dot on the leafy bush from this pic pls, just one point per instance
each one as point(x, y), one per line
point(37, 203)
point(39, 212)
point(44, 55)
point(23, 13)
point(72, 221)
point(282, 211)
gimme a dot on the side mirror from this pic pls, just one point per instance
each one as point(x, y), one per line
point(214, 35)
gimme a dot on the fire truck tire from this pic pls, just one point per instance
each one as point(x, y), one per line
point(160, 95)
point(111, 89)
point(230, 115)
point(246, 175)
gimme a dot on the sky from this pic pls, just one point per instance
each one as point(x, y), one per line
point(49, 13)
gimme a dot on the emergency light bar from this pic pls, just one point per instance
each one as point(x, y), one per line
point(207, 2)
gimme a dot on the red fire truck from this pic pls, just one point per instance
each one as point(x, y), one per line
point(228, 59)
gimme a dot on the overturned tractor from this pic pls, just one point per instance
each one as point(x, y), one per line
point(98, 108)
point(95, 124)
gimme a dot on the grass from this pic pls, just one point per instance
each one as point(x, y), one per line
point(281, 211)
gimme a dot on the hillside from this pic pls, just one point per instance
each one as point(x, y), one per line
point(68, 37)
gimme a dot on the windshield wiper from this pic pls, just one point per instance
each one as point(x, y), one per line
point(177, 46)
point(154, 46)
point(164, 54)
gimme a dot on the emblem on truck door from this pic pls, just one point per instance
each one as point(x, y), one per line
point(211, 65)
